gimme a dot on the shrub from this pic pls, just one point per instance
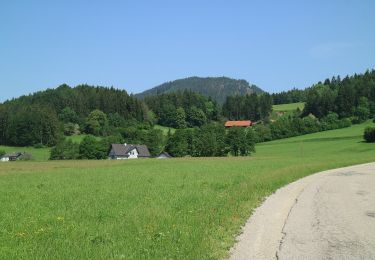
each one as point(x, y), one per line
point(2, 152)
point(369, 134)
point(65, 150)
point(90, 148)
point(26, 157)
point(71, 129)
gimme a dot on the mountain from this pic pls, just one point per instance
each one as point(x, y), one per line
point(218, 88)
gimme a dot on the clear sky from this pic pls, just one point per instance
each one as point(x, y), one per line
point(136, 45)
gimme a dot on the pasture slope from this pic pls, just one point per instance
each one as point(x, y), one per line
point(288, 107)
point(189, 208)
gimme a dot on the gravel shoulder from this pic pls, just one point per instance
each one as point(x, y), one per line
point(328, 215)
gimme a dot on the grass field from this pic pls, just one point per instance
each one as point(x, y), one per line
point(288, 107)
point(155, 209)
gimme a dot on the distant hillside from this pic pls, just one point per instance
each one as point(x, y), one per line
point(217, 88)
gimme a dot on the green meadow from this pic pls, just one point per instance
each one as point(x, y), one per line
point(190, 208)
point(288, 107)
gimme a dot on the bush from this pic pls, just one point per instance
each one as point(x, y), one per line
point(2, 152)
point(26, 157)
point(90, 148)
point(369, 134)
point(71, 129)
point(65, 150)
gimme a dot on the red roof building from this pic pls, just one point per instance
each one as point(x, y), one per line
point(244, 123)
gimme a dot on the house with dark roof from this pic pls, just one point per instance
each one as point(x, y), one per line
point(11, 157)
point(242, 123)
point(128, 151)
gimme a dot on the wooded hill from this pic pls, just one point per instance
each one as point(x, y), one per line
point(37, 118)
point(218, 88)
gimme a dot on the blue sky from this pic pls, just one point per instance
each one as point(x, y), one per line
point(136, 45)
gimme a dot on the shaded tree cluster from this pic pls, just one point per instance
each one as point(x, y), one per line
point(41, 117)
point(291, 96)
point(252, 107)
point(295, 125)
point(352, 97)
point(28, 125)
point(211, 140)
point(183, 109)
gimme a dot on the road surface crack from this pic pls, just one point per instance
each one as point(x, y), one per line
point(286, 220)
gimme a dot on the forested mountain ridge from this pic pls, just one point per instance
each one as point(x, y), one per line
point(218, 88)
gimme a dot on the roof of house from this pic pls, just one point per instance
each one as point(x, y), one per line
point(238, 123)
point(12, 155)
point(124, 149)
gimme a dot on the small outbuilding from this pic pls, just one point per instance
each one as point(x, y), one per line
point(128, 151)
point(164, 155)
point(242, 123)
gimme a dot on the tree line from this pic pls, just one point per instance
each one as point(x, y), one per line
point(45, 118)
point(41, 117)
point(211, 140)
point(251, 107)
point(183, 109)
point(352, 97)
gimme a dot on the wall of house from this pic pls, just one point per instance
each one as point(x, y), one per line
point(121, 158)
point(133, 154)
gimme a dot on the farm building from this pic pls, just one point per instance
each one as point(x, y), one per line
point(128, 151)
point(163, 155)
point(243, 123)
point(11, 157)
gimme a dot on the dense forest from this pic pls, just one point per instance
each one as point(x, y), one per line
point(217, 89)
point(352, 97)
point(183, 109)
point(36, 118)
point(254, 107)
point(109, 115)
point(291, 96)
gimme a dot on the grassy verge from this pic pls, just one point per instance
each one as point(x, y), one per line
point(155, 209)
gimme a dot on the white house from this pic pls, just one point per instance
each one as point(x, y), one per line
point(128, 151)
point(4, 159)
point(11, 157)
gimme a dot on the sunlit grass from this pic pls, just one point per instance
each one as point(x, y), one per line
point(288, 107)
point(155, 209)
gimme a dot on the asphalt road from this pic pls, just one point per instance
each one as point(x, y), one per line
point(328, 215)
